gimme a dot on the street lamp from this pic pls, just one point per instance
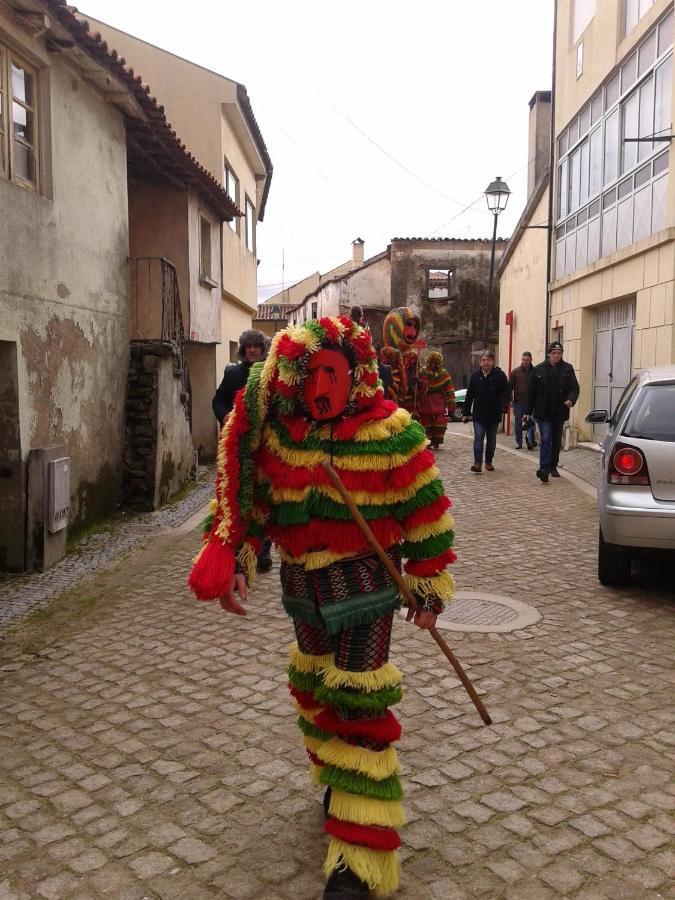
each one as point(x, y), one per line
point(497, 196)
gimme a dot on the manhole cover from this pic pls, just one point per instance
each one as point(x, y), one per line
point(486, 613)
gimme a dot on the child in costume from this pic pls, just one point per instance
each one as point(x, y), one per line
point(437, 400)
point(401, 330)
point(318, 397)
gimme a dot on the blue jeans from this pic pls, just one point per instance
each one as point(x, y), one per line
point(518, 411)
point(481, 433)
point(550, 431)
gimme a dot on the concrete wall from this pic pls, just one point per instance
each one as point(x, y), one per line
point(522, 288)
point(174, 457)
point(63, 287)
point(205, 297)
point(367, 286)
point(205, 378)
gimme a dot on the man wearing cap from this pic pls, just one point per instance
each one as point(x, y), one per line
point(252, 348)
point(553, 390)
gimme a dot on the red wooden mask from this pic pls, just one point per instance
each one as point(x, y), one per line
point(327, 385)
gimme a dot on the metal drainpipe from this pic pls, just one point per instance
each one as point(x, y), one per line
point(549, 249)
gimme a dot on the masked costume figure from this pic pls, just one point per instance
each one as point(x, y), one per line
point(437, 400)
point(401, 330)
point(390, 356)
point(318, 397)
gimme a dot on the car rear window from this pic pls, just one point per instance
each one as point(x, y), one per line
point(653, 416)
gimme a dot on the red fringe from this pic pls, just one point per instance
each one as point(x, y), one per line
point(314, 758)
point(212, 574)
point(365, 835)
point(336, 537)
point(424, 568)
point(306, 699)
point(384, 729)
point(427, 514)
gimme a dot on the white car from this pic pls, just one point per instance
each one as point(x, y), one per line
point(636, 487)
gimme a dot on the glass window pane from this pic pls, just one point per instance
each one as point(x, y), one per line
point(570, 252)
point(609, 231)
point(665, 33)
point(644, 6)
point(659, 203)
point(595, 162)
point(560, 259)
point(582, 215)
point(628, 73)
point(624, 223)
point(646, 125)
point(584, 175)
point(631, 15)
point(24, 162)
point(629, 129)
point(22, 84)
point(661, 163)
point(642, 175)
point(609, 198)
point(594, 209)
point(582, 247)
point(584, 120)
point(611, 146)
point(612, 91)
point(573, 132)
point(562, 189)
point(593, 251)
point(647, 53)
point(23, 123)
point(642, 216)
point(625, 187)
point(575, 178)
point(662, 97)
point(596, 108)
point(563, 144)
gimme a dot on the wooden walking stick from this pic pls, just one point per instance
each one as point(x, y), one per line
point(403, 587)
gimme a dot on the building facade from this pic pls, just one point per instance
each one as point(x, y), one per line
point(214, 117)
point(613, 254)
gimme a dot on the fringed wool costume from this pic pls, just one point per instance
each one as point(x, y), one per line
point(438, 398)
point(342, 601)
point(391, 357)
point(401, 330)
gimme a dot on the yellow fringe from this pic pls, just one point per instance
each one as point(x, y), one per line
point(195, 559)
point(376, 764)
point(386, 676)
point(313, 744)
point(213, 506)
point(397, 422)
point(314, 560)
point(441, 586)
point(306, 663)
point(378, 868)
point(430, 529)
point(248, 561)
point(361, 498)
point(366, 810)
point(308, 714)
point(368, 463)
point(315, 774)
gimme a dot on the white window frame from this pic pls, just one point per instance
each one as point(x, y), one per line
point(231, 185)
point(249, 224)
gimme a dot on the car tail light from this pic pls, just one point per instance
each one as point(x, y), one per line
point(627, 466)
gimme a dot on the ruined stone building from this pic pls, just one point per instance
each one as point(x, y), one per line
point(110, 244)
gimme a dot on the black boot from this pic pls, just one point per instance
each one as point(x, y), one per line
point(343, 884)
point(326, 800)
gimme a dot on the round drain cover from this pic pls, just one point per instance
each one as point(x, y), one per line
point(473, 611)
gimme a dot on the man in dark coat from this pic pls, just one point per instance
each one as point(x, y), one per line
point(487, 398)
point(553, 391)
point(252, 348)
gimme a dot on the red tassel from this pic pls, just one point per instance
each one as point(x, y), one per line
point(384, 729)
point(211, 576)
point(426, 568)
point(365, 835)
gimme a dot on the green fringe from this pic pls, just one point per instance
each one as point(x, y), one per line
point(207, 523)
point(374, 701)
point(312, 731)
point(428, 548)
point(303, 681)
point(317, 504)
point(359, 609)
point(355, 783)
point(402, 443)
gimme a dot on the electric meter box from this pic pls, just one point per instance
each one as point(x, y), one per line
point(59, 493)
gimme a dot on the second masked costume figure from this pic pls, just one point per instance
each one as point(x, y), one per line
point(317, 397)
point(400, 331)
point(437, 400)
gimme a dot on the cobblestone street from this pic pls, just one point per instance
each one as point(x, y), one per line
point(149, 748)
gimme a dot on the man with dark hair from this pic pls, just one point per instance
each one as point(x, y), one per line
point(519, 382)
point(487, 398)
point(553, 390)
point(252, 348)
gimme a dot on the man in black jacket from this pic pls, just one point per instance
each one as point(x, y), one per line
point(487, 398)
point(553, 390)
point(252, 348)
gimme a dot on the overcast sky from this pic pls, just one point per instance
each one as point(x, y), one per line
point(383, 119)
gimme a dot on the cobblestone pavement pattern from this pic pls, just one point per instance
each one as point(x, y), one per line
point(149, 750)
